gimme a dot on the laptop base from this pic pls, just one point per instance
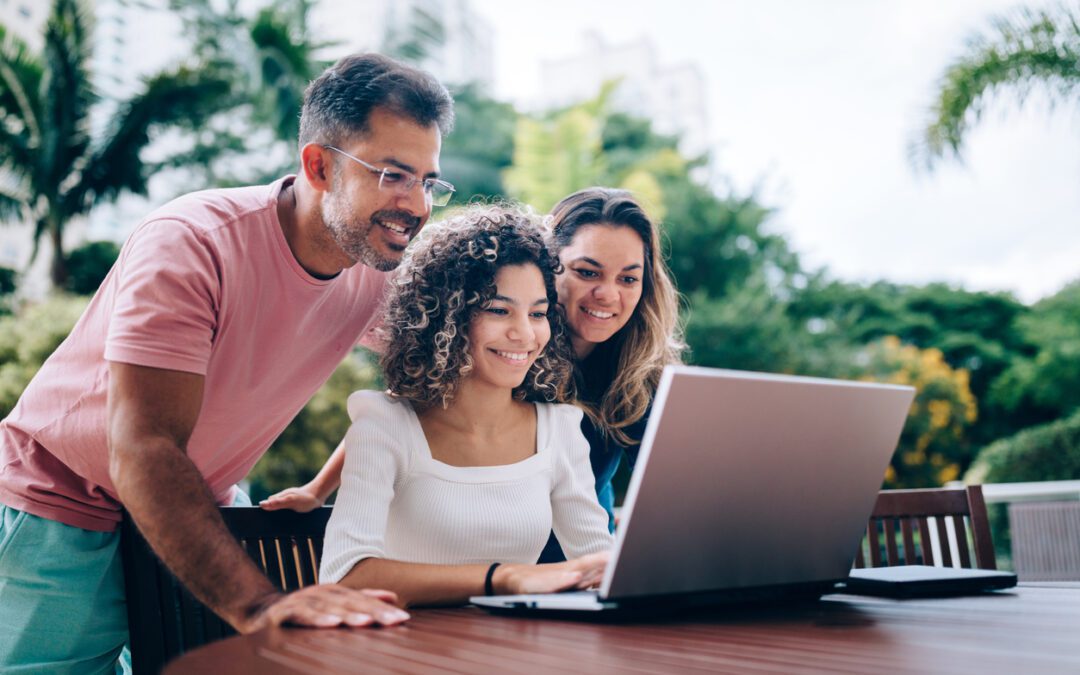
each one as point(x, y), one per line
point(587, 605)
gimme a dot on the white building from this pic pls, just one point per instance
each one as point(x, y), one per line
point(465, 55)
point(672, 96)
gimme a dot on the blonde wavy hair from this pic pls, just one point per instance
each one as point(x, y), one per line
point(446, 277)
point(652, 338)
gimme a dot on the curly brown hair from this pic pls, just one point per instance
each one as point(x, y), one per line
point(448, 275)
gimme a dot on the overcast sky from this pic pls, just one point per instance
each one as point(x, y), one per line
point(814, 104)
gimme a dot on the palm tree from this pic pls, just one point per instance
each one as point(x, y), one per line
point(1022, 50)
point(269, 60)
point(51, 168)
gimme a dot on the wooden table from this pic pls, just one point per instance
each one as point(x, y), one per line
point(1033, 628)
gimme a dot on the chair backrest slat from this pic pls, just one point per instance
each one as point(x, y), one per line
point(890, 542)
point(926, 541)
point(961, 541)
point(909, 541)
point(875, 544)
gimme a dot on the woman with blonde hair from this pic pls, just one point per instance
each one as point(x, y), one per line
point(622, 313)
point(453, 479)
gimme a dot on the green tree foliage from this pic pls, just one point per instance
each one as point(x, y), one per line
point(1043, 452)
point(8, 283)
point(975, 331)
point(28, 338)
point(557, 154)
point(51, 168)
point(1044, 384)
point(933, 447)
point(89, 264)
point(481, 146)
point(1021, 51)
point(305, 445)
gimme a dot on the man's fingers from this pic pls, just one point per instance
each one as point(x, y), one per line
point(329, 606)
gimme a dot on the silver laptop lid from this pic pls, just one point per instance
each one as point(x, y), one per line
point(750, 479)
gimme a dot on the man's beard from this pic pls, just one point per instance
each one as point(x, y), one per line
point(352, 235)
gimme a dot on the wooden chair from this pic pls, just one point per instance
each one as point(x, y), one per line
point(923, 516)
point(165, 620)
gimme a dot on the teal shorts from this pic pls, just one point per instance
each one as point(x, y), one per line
point(62, 606)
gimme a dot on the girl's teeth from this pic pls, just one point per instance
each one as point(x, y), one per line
point(514, 357)
point(598, 315)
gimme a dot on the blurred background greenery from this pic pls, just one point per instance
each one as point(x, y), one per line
point(998, 380)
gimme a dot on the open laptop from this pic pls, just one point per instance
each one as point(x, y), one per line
point(747, 486)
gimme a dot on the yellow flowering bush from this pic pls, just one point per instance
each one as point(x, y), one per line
point(933, 447)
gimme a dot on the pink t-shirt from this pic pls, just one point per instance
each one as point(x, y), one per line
point(207, 285)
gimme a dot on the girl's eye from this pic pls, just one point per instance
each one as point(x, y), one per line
point(539, 315)
point(587, 274)
point(498, 311)
point(630, 280)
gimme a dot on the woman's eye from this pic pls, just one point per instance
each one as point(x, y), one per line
point(587, 274)
point(630, 280)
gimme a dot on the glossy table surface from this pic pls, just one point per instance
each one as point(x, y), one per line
point(1032, 628)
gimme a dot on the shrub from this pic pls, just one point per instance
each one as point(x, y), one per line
point(933, 448)
point(28, 338)
point(88, 265)
point(1045, 452)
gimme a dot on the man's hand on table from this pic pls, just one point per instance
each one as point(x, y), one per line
point(327, 606)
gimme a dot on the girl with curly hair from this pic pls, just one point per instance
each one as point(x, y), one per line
point(453, 479)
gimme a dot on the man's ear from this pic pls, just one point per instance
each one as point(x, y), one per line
point(316, 165)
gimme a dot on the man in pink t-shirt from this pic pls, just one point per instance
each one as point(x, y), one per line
point(225, 312)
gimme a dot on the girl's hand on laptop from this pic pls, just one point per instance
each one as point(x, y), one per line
point(301, 499)
point(579, 573)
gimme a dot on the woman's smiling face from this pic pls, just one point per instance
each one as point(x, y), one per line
point(601, 283)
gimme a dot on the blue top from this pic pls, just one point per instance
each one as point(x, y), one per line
point(592, 377)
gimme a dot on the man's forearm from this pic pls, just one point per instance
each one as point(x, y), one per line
point(174, 509)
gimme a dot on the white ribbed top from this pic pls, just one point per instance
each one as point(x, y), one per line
point(398, 503)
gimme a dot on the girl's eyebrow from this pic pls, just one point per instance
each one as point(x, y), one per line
point(511, 301)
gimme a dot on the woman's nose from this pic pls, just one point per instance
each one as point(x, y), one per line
point(605, 292)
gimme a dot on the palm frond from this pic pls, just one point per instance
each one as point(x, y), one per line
point(184, 97)
point(20, 107)
point(67, 93)
point(1021, 51)
point(286, 64)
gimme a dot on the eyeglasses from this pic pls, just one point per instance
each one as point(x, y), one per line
point(400, 182)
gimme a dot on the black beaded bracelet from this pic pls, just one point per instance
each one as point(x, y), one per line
point(489, 587)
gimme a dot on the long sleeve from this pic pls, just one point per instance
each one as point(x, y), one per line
point(376, 460)
point(578, 520)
